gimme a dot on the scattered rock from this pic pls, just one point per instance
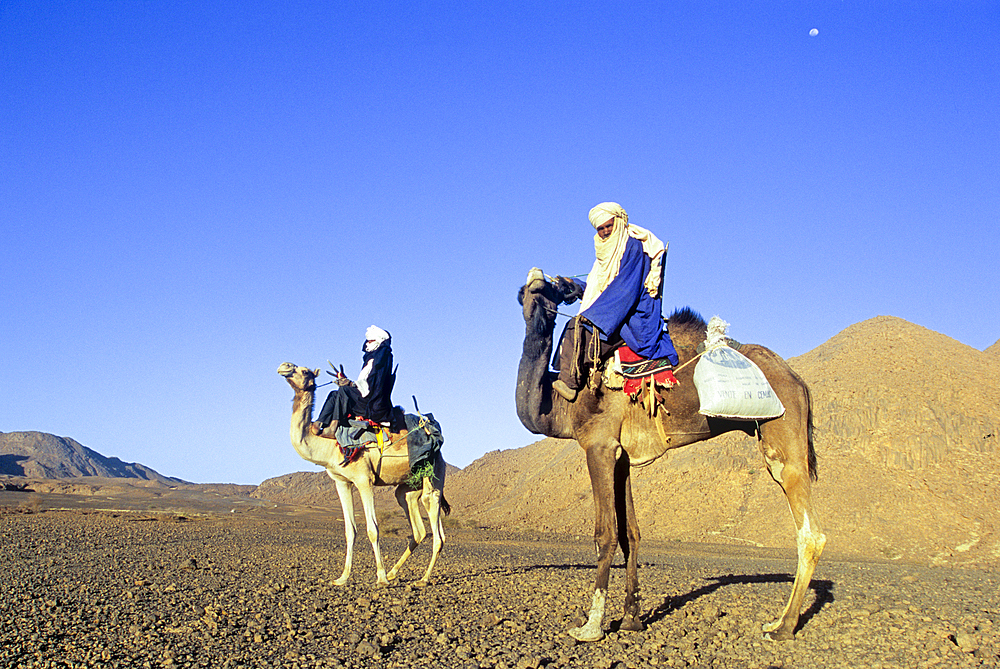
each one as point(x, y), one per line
point(259, 603)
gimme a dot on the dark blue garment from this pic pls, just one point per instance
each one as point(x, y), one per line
point(376, 405)
point(626, 308)
point(423, 439)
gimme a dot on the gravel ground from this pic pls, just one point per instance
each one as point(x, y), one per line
point(103, 589)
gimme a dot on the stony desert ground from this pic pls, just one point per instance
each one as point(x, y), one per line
point(110, 564)
point(236, 582)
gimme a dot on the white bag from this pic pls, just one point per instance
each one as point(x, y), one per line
point(729, 384)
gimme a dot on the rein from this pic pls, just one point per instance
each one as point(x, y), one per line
point(557, 312)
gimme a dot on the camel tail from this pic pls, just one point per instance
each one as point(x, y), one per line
point(813, 470)
point(811, 456)
point(446, 507)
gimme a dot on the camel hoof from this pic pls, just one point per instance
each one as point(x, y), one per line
point(775, 632)
point(420, 584)
point(631, 625)
point(586, 634)
point(340, 581)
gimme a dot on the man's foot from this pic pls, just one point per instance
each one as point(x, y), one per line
point(567, 393)
point(316, 429)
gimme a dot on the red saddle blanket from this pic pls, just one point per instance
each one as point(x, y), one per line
point(636, 369)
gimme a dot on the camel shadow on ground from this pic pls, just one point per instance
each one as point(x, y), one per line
point(822, 588)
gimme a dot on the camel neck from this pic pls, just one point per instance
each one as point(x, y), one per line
point(302, 406)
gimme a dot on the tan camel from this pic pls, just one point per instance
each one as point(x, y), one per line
point(372, 469)
point(617, 434)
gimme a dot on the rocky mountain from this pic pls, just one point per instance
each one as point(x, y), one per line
point(46, 456)
point(994, 349)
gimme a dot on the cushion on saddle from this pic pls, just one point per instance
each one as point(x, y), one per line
point(357, 432)
point(635, 368)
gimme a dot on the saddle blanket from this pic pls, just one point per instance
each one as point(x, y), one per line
point(635, 368)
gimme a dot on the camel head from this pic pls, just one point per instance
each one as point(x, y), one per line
point(540, 294)
point(299, 378)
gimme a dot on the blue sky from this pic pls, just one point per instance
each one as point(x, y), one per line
point(194, 192)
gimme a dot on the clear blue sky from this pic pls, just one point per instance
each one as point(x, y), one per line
point(194, 192)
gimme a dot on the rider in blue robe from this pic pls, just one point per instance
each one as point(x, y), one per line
point(621, 298)
point(625, 308)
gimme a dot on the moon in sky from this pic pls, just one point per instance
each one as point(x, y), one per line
point(813, 32)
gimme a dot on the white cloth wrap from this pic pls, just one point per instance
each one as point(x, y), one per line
point(609, 252)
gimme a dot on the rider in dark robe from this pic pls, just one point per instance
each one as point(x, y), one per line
point(369, 397)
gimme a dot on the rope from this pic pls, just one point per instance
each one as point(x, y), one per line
point(680, 367)
point(595, 379)
point(552, 279)
point(577, 350)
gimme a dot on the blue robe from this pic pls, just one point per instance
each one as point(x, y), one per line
point(626, 308)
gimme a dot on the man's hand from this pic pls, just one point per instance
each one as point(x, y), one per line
point(341, 380)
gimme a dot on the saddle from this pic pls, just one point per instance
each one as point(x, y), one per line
point(356, 435)
point(620, 368)
point(638, 377)
point(638, 370)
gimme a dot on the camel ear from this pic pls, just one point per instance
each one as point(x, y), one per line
point(520, 296)
point(316, 372)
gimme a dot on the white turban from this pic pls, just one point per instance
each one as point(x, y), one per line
point(605, 210)
point(374, 336)
point(610, 251)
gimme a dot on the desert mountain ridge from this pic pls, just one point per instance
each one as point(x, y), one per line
point(46, 456)
point(994, 349)
point(907, 423)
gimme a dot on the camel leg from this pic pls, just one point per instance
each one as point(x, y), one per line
point(793, 477)
point(368, 503)
point(601, 466)
point(350, 529)
point(431, 499)
point(625, 510)
point(407, 500)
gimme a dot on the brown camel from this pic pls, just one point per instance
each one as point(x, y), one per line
point(374, 468)
point(617, 434)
